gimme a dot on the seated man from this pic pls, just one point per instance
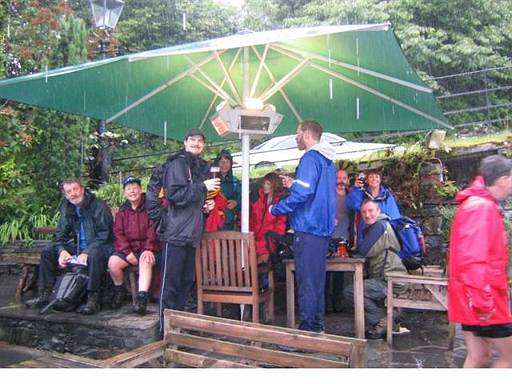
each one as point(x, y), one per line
point(135, 243)
point(380, 246)
point(84, 230)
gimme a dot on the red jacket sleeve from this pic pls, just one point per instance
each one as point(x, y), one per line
point(121, 243)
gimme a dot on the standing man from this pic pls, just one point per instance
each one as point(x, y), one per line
point(185, 181)
point(84, 230)
point(478, 295)
point(311, 209)
point(341, 232)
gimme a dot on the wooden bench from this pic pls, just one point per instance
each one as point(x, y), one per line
point(201, 341)
point(427, 291)
point(59, 360)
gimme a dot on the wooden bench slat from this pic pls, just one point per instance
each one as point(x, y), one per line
point(284, 359)
point(318, 342)
point(137, 356)
point(199, 361)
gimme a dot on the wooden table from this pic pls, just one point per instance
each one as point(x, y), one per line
point(338, 264)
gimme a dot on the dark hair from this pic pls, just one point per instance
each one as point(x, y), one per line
point(313, 127)
point(195, 132)
point(493, 167)
point(71, 180)
point(223, 154)
point(275, 182)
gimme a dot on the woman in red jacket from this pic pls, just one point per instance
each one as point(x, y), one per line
point(135, 243)
point(478, 296)
point(261, 220)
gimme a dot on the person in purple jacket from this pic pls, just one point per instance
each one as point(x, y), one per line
point(135, 243)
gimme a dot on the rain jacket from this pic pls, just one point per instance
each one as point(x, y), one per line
point(311, 204)
point(183, 220)
point(386, 200)
point(380, 239)
point(133, 230)
point(230, 187)
point(387, 204)
point(97, 218)
point(478, 260)
point(262, 221)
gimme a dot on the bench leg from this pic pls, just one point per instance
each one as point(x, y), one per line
point(389, 330)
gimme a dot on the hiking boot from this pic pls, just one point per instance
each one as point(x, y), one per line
point(40, 301)
point(141, 302)
point(118, 297)
point(92, 306)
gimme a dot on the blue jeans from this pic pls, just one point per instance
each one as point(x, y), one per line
point(310, 253)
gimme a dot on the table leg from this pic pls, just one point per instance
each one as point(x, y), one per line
point(290, 297)
point(359, 301)
point(389, 325)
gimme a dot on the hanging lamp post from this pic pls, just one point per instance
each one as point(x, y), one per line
point(105, 14)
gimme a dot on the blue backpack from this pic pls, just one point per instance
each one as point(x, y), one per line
point(412, 243)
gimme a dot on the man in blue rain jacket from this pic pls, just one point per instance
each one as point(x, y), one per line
point(311, 210)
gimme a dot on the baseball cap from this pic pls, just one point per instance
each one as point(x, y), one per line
point(129, 180)
point(195, 132)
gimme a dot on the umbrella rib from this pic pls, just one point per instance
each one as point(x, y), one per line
point(281, 48)
point(214, 85)
point(285, 80)
point(281, 91)
point(379, 94)
point(228, 77)
point(158, 90)
point(260, 67)
point(221, 84)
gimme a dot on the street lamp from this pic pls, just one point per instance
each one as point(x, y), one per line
point(105, 13)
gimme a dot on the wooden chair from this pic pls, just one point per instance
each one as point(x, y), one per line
point(227, 272)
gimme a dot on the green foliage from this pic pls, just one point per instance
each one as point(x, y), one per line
point(149, 24)
point(447, 213)
point(111, 193)
point(21, 228)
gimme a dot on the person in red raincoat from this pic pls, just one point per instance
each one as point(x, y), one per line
point(478, 295)
point(261, 220)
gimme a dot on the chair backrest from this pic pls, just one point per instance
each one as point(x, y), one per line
point(226, 261)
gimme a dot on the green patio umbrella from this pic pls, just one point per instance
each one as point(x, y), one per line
point(351, 78)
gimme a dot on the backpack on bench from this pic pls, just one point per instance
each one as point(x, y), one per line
point(412, 242)
point(69, 290)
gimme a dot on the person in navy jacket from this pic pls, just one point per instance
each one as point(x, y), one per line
point(311, 210)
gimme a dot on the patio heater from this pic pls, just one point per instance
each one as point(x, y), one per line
point(105, 13)
point(253, 118)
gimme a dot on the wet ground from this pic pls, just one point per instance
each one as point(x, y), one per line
point(425, 346)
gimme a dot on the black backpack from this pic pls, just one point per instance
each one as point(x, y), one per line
point(69, 290)
point(154, 194)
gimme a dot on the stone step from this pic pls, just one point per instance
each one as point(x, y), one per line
point(97, 336)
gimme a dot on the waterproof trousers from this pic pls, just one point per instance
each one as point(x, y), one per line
point(310, 252)
point(375, 294)
point(177, 275)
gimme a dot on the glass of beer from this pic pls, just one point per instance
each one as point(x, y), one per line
point(214, 172)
